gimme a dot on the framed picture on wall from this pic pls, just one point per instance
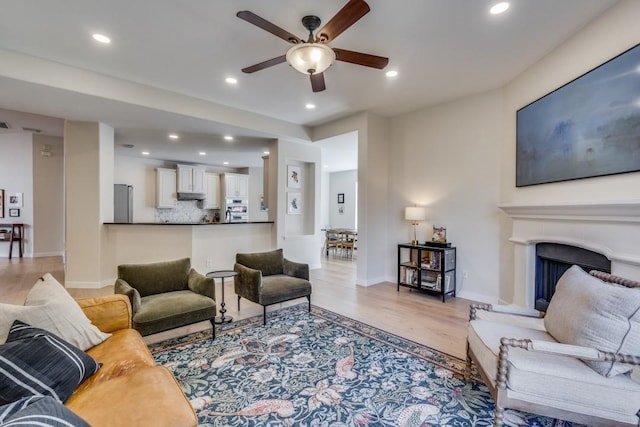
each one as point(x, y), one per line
point(294, 203)
point(1, 203)
point(294, 179)
point(14, 212)
point(14, 200)
point(340, 197)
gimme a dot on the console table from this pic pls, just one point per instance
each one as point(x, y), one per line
point(16, 235)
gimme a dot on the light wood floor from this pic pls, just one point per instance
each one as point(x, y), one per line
point(419, 317)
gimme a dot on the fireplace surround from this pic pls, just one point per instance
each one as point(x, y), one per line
point(611, 229)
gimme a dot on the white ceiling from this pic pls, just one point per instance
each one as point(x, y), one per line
point(442, 50)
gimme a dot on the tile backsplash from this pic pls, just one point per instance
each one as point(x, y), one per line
point(186, 211)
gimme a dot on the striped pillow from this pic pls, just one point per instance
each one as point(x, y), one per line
point(39, 411)
point(36, 362)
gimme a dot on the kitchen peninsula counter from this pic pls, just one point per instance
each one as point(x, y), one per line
point(211, 246)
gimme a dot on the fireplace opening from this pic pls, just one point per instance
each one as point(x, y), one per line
point(553, 259)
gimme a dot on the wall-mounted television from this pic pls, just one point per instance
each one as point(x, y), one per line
point(589, 127)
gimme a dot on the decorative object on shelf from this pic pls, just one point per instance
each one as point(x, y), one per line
point(414, 214)
point(1, 203)
point(14, 212)
point(294, 203)
point(15, 200)
point(439, 234)
point(294, 179)
point(582, 129)
point(340, 197)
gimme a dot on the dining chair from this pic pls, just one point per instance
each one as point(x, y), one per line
point(348, 243)
point(331, 240)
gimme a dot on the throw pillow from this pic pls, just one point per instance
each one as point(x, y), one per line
point(586, 311)
point(39, 411)
point(36, 362)
point(49, 306)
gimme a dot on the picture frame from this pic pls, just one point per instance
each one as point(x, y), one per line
point(1, 203)
point(294, 203)
point(439, 234)
point(294, 177)
point(583, 129)
point(14, 212)
point(340, 210)
point(340, 197)
point(14, 200)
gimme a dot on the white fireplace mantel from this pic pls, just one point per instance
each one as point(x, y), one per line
point(611, 228)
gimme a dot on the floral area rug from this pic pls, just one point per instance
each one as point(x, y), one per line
point(323, 369)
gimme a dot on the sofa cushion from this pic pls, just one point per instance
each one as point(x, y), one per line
point(156, 278)
point(49, 306)
point(269, 263)
point(172, 310)
point(147, 397)
point(36, 362)
point(279, 287)
point(551, 380)
point(39, 411)
point(588, 312)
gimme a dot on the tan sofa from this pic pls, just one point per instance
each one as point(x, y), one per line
point(129, 389)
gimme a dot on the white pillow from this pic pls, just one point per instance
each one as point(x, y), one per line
point(50, 307)
point(588, 312)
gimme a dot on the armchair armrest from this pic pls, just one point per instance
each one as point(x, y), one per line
point(576, 351)
point(122, 287)
point(201, 284)
point(296, 269)
point(248, 282)
point(109, 313)
point(504, 309)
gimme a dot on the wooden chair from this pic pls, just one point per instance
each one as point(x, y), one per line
point(331, 240)
point(348, 240)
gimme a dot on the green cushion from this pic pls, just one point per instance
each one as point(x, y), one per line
point(170, 310)
point(156, 278)
point(269, 263)
point(278, 288)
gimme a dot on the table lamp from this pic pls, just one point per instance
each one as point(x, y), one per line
point(414, 214)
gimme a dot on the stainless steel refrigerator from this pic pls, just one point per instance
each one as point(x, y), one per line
point(122, 203)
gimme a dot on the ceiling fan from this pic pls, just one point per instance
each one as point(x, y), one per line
point(313, 56)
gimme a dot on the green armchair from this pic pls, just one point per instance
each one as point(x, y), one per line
point(268, 278)
point(166, 295)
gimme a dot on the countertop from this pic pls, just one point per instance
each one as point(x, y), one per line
point(187, 223)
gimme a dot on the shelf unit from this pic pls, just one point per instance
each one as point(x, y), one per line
point(427, 268)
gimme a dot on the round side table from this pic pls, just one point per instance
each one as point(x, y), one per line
point(222, 274)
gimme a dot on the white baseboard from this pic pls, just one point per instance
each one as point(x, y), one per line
point(371, 281)
point(88, 285)
point(47, 254)
point(476, 297)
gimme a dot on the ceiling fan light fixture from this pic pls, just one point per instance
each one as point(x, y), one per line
point(311, 58)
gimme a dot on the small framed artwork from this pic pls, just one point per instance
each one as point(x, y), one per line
point(14, 212)
point(294, 179)
point(340, 210)
point(340, 197)
point(439, 234)
point(15, 200)
point(294, 203)
point(1, 203)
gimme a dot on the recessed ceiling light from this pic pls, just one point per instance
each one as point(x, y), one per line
point(310, 106)
point(173, 136)
point(499, 8)
point(101, 38)
point(145, 153)
point(392, 73)
point(266, 153)
point(225, 163)
point(231, 80)
point(228, 138)
point(202, 153)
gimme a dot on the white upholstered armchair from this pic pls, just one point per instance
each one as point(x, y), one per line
point(575, 362)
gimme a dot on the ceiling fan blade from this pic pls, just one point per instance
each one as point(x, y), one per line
point(265, 64)
point(346, 17)
point(254, 19)
point(317, 82)
point(359, 58)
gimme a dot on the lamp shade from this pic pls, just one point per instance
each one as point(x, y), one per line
point(311, 58)
point(414, 213)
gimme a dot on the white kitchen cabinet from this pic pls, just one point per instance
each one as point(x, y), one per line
point(236, 185)
point(211, 191)
point(190, 179)
point(166, 196)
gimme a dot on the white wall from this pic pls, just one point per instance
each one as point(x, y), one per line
point(447, 159)
point(48, 196)
point(256, 190)
point(16, 176)
point(343, 183)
